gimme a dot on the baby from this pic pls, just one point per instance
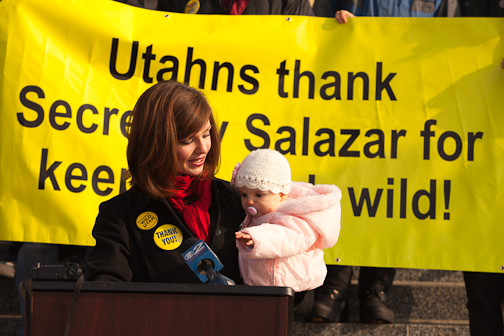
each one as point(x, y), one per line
point(287, 225)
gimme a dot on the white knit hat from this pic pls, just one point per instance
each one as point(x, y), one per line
point(263, 169)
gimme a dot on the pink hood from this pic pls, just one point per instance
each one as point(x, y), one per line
point(319, 206)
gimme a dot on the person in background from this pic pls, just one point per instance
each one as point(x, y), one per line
point(331, 299)
point(173, 154)
point(390, 8)
point(485, 297)
point(484, 8)
point(288, 224)
point(231, 7)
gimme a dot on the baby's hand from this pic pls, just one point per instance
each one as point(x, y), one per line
point(245, 237)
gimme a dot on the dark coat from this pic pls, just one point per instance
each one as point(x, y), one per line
point(256, 7)
point(125, 252)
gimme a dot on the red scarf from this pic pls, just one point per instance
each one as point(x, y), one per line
point(237, 6)
point(196, 214)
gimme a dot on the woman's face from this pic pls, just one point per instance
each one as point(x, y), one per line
point(191, 153)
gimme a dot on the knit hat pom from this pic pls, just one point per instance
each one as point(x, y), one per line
point(264, 169)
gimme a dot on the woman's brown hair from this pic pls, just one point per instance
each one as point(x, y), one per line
point(163, 115)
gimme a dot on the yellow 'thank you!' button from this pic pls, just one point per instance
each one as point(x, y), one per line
point(168, 237)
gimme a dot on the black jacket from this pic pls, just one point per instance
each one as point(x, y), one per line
point(125, 252)
point(257, 7)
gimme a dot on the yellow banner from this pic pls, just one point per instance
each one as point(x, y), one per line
point(403, 114)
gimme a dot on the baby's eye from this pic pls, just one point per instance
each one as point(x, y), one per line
point(259, 195)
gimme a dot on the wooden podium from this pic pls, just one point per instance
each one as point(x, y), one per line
point(109, 308)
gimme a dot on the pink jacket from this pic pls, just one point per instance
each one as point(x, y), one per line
point(288, 243)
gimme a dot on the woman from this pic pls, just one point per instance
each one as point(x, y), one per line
point(173, 154)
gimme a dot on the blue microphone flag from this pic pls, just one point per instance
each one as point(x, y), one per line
point(197, 253)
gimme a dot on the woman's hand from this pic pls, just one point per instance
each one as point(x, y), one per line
point(245, 238)
point(343, 15)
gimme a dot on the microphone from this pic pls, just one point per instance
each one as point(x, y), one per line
point(204, 262)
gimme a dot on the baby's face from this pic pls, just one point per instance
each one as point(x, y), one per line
point(262, 201)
